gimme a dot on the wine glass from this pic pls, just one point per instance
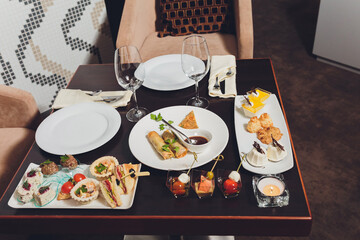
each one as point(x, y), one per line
point(130, 74)
point(195, 62)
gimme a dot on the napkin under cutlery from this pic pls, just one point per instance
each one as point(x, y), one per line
point(219, 66)
point(67, 97)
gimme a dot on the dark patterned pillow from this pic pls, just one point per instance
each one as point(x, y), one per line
point(183, 17)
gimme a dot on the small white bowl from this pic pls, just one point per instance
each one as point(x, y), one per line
point(192, 133)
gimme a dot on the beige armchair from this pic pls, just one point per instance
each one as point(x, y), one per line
point(138, 28)
point(19, 117)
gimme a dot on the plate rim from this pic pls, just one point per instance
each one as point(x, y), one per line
point(225, 140)
point(189, 84)
point(246, 165)
point(88, 105)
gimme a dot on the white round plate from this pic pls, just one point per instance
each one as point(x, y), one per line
point(77, 129)
point(142, 149)
point(164, 73)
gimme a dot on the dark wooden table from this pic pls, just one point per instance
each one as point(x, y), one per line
point(155, 210)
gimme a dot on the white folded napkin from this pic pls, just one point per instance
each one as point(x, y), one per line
point(220, 66)
point(67, 97)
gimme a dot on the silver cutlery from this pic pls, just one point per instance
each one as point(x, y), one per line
point(94, 93)
point(228, 74)
point(216, 85)
point(109, 99)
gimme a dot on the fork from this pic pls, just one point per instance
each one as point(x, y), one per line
point(216, 85)
point(109, 100)
point(94, 93)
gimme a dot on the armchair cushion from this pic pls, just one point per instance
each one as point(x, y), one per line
point(218, 43)
point(17, 108)
point(184, 17)
point(14, 145)
point(19, 117)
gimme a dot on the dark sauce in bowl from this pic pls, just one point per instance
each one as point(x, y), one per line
point(197, 140)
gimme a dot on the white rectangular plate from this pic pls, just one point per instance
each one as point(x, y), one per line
point(59, 179)
point(246, 139)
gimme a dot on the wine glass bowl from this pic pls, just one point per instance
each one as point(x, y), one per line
point(195, 62)
point(130, 74)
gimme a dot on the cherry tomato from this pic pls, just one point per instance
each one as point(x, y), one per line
point(66, 187)
point(178, 188)
point(230, 186)
point(78, 177)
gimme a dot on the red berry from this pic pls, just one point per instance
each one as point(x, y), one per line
point(230, 186)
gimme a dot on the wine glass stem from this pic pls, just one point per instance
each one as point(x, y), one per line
point(197, 90)
point(135, 99)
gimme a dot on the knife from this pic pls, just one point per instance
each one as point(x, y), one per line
point(109, 97)
point(222, 86)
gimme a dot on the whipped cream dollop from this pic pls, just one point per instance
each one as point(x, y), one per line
point(184, 178)
point(255, 93)
point(234, 175)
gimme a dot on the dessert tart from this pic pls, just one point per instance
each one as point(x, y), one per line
point(257, 156)
point(258, 94)
point(103, 167)
point(251, 107)
point(276, 152)
point(85, 191)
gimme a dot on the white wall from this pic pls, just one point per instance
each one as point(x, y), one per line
point(338, 32)
point(43, 42)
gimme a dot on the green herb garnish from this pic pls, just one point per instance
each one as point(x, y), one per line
point(165, 148)
point(26, 185)
point(99, 168)
point(156, 118)
point(170, 141)
point(72, 181)
point(46, 163)
point(43, 189)
point(81, 189)
point(64, 158)
point(31, 173)
point(176, 149)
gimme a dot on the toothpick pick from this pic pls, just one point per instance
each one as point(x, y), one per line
point(137, 174)
point(242, 159)
point(220, 157)
point(195, 160)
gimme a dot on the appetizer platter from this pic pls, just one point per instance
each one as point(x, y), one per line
point(78, 128)
point(147, 144)
point(78, 188)
point(254, 140)
point(164, 73)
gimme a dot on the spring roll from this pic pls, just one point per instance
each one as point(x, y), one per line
point(158, 144)
point(175, 146)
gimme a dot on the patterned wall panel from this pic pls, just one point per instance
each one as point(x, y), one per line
point(42, 42)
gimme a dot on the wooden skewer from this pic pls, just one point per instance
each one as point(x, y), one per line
point(137, 174)
point(195, 160)
point(242, 159)
point(218, 158)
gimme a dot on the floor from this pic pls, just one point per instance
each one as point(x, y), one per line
point(320, 104)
